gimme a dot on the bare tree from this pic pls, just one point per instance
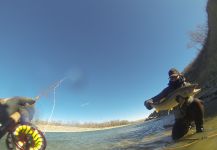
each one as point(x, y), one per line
point(198, 37)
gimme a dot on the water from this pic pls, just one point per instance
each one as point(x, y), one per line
point(148, 135)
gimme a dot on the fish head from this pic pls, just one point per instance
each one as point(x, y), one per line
point(187, 91)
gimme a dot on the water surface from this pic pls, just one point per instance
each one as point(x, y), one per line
point(148, 135)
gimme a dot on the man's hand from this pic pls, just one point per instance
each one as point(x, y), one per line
point(8, 106)
point(14, 110)
point(148, 104)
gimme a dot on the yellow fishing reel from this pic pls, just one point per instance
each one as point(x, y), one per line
point(26, 137)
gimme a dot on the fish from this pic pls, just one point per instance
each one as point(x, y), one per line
point(169, 102)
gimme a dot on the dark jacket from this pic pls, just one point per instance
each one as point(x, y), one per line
point(170, 88)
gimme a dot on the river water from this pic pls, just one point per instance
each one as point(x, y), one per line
point(146, 135)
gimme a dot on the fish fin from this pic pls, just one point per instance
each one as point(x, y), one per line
point(157, 111)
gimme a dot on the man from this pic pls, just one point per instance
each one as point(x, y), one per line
point(24, 107)
point(189, 109)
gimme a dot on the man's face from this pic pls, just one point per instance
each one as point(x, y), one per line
point(173, 78)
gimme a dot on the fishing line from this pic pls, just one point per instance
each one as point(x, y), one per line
point(45, 93)
point(54, 99)
point(72, 76)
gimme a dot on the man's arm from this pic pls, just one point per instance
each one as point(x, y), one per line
point(148, 103)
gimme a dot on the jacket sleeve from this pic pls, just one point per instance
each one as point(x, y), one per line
point(157, 98)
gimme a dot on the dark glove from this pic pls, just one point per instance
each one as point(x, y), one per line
point(148, 104)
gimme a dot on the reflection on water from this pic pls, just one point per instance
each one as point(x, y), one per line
point(148, 135)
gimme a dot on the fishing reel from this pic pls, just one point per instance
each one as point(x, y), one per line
point(25, 137)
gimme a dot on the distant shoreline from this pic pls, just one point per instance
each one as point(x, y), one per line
point(62, 128)
point(54, 126)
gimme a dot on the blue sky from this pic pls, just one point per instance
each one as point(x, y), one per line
point(113, 54)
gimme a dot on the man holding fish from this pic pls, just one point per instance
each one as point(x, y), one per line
point(179, 95)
